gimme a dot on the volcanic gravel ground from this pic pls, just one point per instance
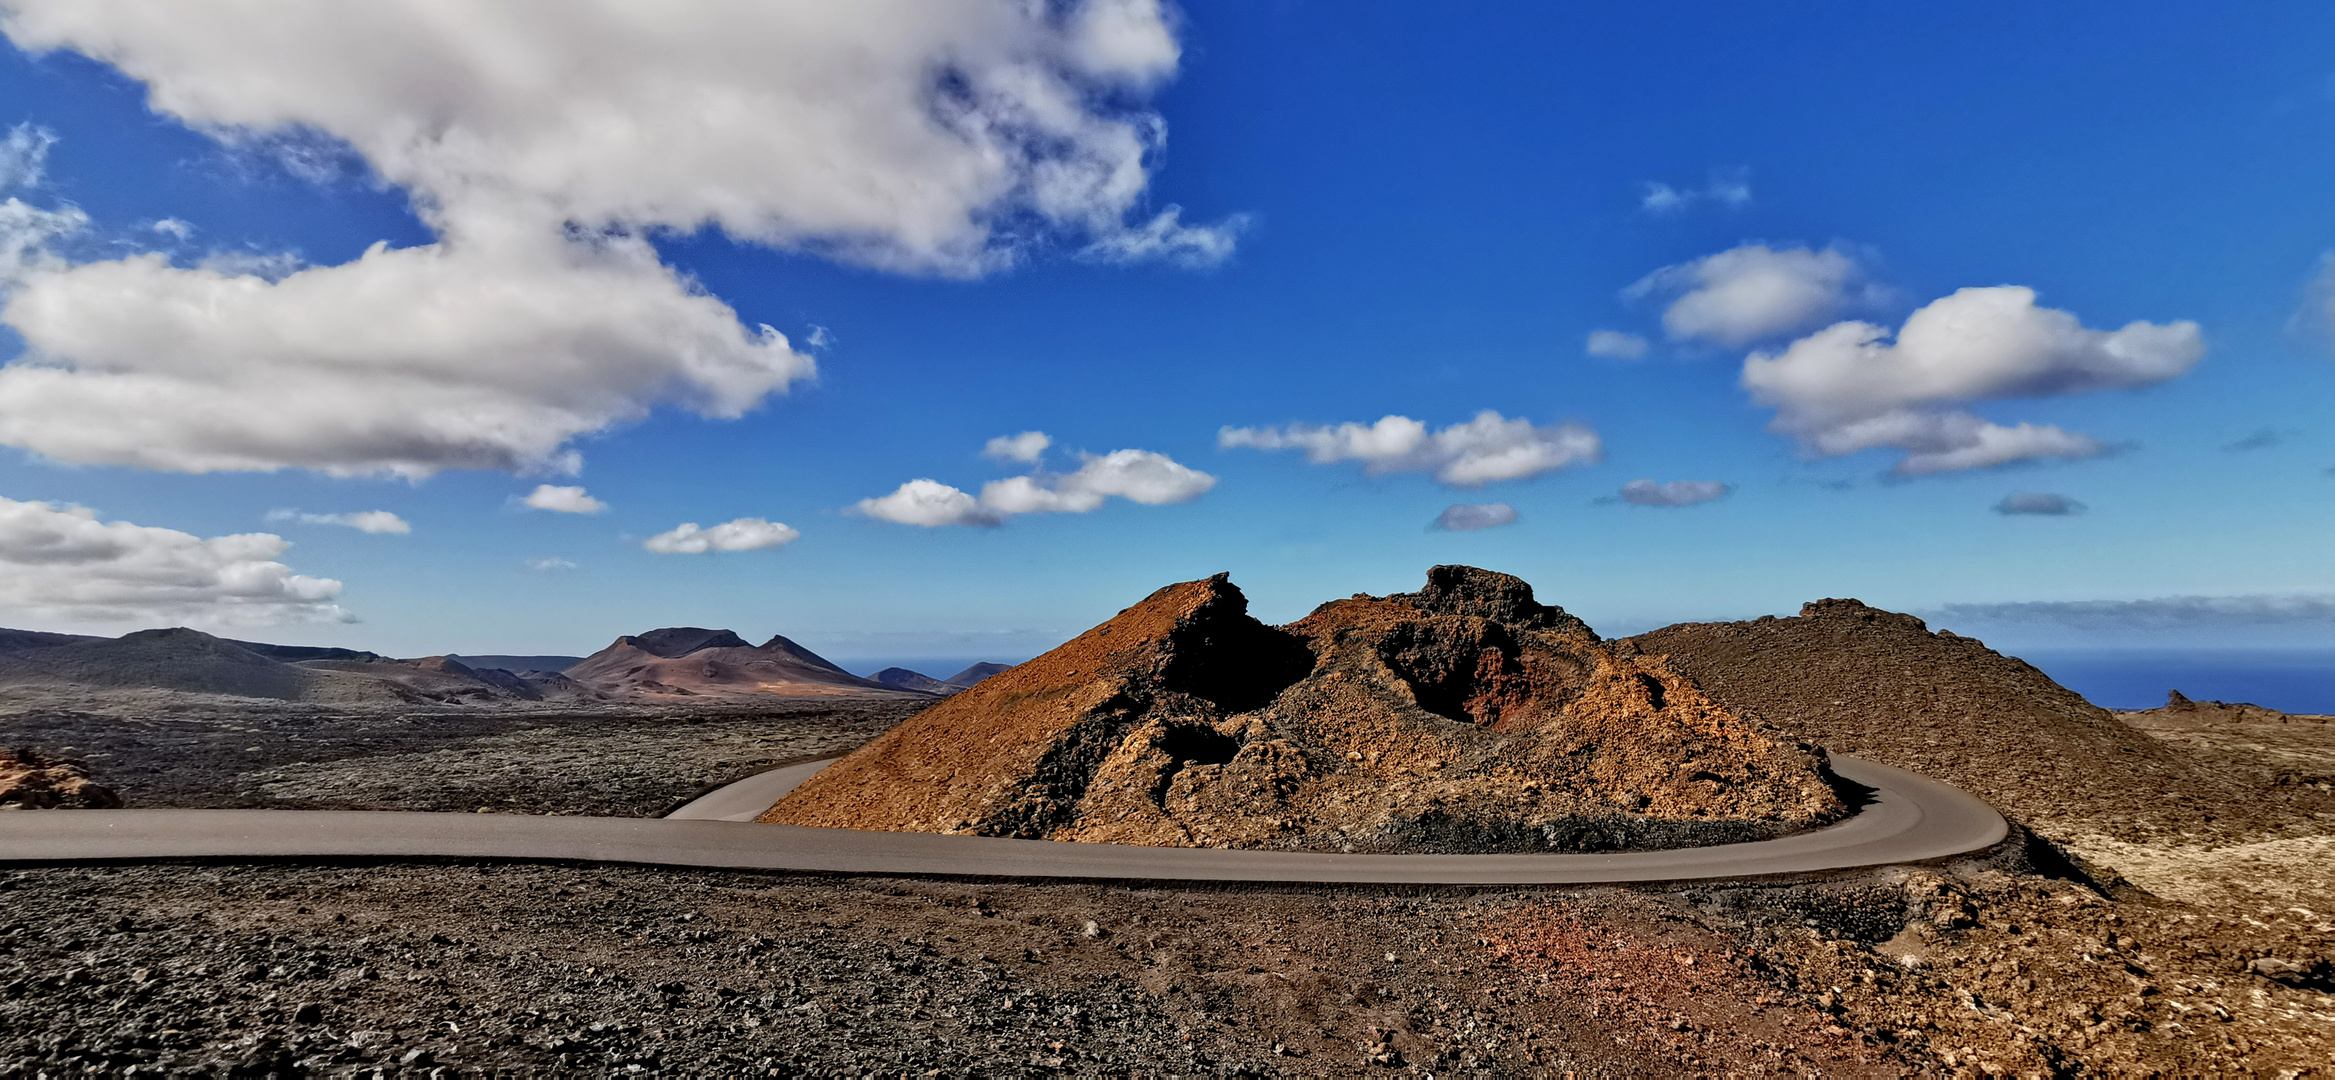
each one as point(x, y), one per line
point(609, 762)
point(1977, 966)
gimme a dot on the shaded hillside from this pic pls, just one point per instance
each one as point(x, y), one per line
point(1465, 716)
point(175, 659)
point(973, 675)
point(516, 663)
point(900, 678)
point(1879, 685)
point(691, 662)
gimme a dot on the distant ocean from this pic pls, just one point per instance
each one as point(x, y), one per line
point(2292, 681)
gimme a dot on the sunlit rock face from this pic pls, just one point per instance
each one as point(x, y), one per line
point(1466, 716)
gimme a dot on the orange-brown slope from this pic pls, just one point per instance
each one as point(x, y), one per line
point(1462, 717)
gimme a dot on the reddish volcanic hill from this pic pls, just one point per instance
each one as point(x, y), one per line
point(1465, 716)
point(687, 661)
point(1880, 685)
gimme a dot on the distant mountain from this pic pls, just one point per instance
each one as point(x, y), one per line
point(518, 664)
point(292, 654)
point(975, 674)
point(900, 678)
point(15, 640)
point(173, 659)
point(688, 661)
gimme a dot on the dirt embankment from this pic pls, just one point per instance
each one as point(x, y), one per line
point(1465, 716)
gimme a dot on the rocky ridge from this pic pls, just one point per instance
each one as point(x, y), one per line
point(1465, 716)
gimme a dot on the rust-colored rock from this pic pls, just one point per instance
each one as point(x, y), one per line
point(33, 781)
point(1465, 716)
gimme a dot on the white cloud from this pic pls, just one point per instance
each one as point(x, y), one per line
point(173, 228)
point(1464, 517)
point(2039, 503)
point(550, 563)
point(1487, 449)
point(24, 155)
point(563, 500)
point(372, 521)
point(1751, 292)
point(1674, 493)
point(744, 534)
point(65, 564)
point(1730, 189)
point(1616, 345)
point(1139, 476)
point(929, 503)
point(1026, 447)
point(819, 338)
point(1849, 387)
point(541, 141)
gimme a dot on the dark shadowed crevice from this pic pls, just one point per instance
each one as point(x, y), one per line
point(1193, 745)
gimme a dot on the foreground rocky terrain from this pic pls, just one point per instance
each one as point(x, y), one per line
point(1980, 966)
point(1463, 717)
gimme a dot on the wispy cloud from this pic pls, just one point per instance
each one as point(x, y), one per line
point(1465, 517)
point(1675, 493)
point(2171, 612)
point(550, 563)
point(2260, 440)
point(1615, 345)
point(372, 521)
point(2039, 503)
point(1730, 188)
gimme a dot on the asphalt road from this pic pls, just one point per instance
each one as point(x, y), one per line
point(1913, 819)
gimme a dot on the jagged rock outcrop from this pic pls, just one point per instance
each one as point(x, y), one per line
point(30, 780)
point(1465, 716)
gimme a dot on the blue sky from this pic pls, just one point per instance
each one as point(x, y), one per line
point(1388, 210)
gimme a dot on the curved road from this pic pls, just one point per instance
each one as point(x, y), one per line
point(1913, 819)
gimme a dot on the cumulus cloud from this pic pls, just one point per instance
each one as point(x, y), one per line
point(541, 143)
point(563, 500)
point(1616, 345)
point(174, 228)
point(1139, 476)
point(1729, 189)
point(549, 563)
point(62, 563)
point(1849, 387)
point(1753, 292)
point(1484, 450)
point(372, 521)
point(1465, 517)
point(1674, 493)
point(2039, 503)
point(744, 534)
point(1026, 447)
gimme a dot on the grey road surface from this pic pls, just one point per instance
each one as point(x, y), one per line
point(1913, 819)
point(746, 799)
